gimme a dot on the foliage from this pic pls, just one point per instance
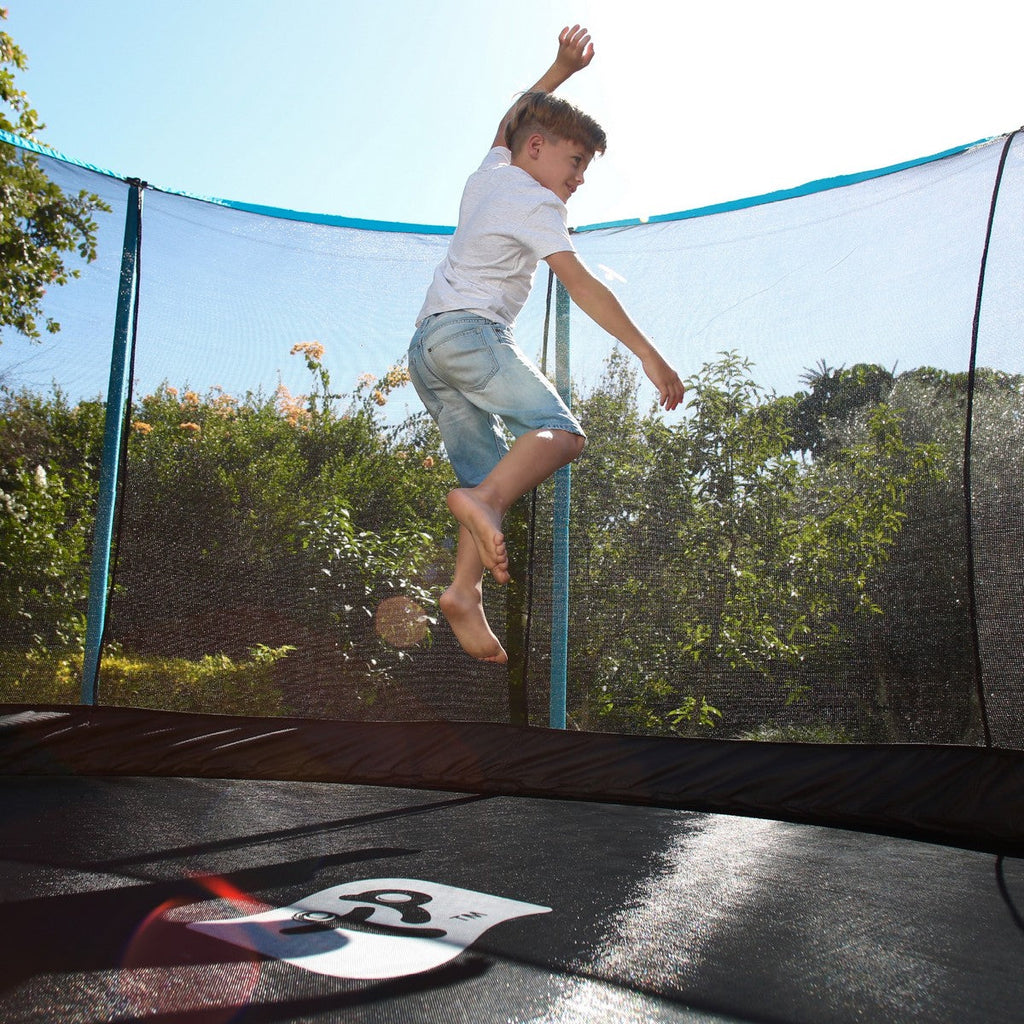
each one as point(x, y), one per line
point(48, 476)
point(916, 667)
point(733, 557)
point(43, 577)
point(370, 588)
point(214, 683)
point(835, 395)
point(284, 517)
point(763, 559)
point(910, 663)
point(772, 733)
point(292, 515)
point(40, 225)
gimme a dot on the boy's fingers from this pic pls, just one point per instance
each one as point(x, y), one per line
point(576, 37)
point(577, 42)
point(672, 396)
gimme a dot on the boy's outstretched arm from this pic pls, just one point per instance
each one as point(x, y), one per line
point(601, 305)
point(575, 52)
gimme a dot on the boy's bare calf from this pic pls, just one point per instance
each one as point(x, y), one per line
point(463, 607)
point(484, 524)
point(479, 511)
point(532, 459)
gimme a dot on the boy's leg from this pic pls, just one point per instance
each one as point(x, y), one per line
point(463, 604)
point(469, 374)
point(534, 457)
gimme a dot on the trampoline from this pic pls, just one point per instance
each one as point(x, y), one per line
point(274, 790)
point(123, 887)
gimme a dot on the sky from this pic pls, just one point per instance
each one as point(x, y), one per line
point(380, 110)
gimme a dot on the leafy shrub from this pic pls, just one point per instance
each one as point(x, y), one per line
point(49, 465)
point(43, 572)
point(215, 684)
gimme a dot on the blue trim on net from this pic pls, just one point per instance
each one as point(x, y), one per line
point(281, 213)
point(821, 185)
point(332, 220)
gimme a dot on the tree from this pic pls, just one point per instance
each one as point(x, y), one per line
point(916, 659)
point(40, 224)
point(835, 395)
point(729, 560)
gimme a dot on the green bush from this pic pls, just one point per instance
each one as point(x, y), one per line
point(293, 517)
point(43, 568)
point(721, 568)
point(214, 684)
point(49, 465)
point(308, 508)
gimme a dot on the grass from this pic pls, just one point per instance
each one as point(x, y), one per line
point(820, 733)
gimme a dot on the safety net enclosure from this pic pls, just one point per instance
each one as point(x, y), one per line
point(787, 557)
point(248, 774)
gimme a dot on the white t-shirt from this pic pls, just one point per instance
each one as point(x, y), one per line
point(508, 223)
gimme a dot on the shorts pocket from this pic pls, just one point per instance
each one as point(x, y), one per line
point(462, 354)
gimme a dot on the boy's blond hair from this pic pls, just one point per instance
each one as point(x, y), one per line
point(552, 117)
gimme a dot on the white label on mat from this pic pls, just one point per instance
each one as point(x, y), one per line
point(372, 929)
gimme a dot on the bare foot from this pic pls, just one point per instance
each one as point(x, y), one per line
point(485, 526)
point(465, 614)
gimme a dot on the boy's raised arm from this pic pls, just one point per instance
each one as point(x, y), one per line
point(575, 52)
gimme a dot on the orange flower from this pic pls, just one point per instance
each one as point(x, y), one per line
point(292, 407)
point(224, 406)
point(192, 428)
point(312, 350)
point(142, 428)
point(428, 462)
point(396, 377)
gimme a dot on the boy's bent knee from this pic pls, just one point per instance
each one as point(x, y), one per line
point(568, 443)
point(574, 443)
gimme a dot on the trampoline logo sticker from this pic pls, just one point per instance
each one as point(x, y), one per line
point(372, 929)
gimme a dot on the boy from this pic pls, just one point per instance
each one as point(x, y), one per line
point(463, 361)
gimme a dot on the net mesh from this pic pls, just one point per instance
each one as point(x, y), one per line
point(785, 558)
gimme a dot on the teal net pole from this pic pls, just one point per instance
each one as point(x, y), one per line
point(560, 529)
point(117, 390)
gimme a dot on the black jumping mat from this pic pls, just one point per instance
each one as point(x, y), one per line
point(205, 869)
point(130, 899)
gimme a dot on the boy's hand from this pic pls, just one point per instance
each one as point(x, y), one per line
point(575, 50)
point(665, 379)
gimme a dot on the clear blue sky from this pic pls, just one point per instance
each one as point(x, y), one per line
point(380, 108)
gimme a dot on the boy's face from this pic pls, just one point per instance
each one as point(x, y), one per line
point(557, 164)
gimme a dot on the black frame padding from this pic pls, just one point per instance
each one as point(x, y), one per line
point(964, 796)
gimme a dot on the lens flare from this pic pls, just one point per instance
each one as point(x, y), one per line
point(165, 970)
point(401, 622)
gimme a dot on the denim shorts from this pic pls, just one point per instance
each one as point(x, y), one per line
point(472, 378)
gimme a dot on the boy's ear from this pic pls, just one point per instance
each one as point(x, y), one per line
point(534, 144)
